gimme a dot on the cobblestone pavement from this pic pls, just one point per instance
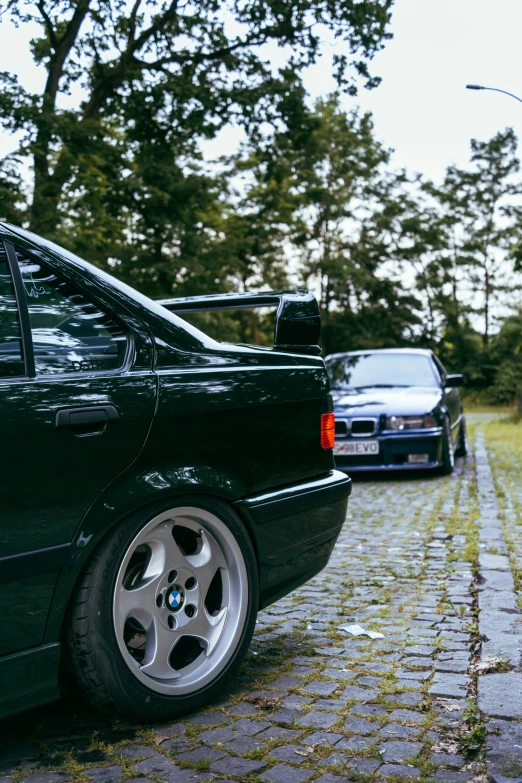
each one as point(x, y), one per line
point(314, 703)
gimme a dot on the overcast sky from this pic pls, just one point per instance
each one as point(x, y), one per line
point(421, 109)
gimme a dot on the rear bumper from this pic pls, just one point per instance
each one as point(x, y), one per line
point(394, 450)
point(295, 530)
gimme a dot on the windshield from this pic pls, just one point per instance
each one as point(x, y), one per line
point(381, 370)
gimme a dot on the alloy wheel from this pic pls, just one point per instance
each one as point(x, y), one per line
point(180, 600)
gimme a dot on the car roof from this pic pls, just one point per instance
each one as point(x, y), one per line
point(413, 351)
point(141, 301)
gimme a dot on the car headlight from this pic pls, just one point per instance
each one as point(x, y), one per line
point(410, 422)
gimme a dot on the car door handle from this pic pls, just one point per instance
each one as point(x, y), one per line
point(78, 417)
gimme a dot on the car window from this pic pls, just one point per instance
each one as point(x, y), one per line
point(11, 353)
point(70, 333)
point(380, 370)
point(440, 368)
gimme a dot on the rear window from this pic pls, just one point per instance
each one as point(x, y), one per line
point(70, 333)
point(359, 371)
point(199, 339)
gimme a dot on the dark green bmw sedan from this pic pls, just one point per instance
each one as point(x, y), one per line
point(158, 488)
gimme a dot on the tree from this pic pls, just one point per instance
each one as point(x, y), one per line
point(461, 240)
point(371, 302)
point(12, 196)
point(486, 207)
point(167, 70)
point(314, 178)
point(506, 347)
point(322, 183)
point(249, 252)
point(337, 168)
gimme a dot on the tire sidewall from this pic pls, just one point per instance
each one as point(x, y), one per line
point(127, 693)
point(462, 449)
point(448, 457)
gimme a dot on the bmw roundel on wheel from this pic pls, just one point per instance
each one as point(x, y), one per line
point(158, 487)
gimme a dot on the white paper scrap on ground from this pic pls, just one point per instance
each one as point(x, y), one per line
point(358, 630)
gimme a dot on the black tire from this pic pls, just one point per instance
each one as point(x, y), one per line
point(448, 457)
point(462, 448)
point(95, 656)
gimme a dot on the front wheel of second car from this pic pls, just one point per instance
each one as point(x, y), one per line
point(448, 454)
point(165, 610)
point(462, 447)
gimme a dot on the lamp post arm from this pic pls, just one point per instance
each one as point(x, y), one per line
point(492, 89)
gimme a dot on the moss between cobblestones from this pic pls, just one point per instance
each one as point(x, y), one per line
point(504, 440)
point(192, 731)
point(71, 766)
point(512, 769)
point(201, 765)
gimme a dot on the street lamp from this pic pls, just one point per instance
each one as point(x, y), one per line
point(494, 89)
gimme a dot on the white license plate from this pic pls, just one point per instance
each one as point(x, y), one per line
point(356, 447)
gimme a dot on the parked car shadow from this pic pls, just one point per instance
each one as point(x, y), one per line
point(362, 477)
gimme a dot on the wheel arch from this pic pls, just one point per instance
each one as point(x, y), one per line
point(143, 491)
point(92, 636)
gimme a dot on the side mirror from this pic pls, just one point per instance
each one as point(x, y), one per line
point(454, 380)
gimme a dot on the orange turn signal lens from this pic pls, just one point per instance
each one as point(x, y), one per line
point(327, 430)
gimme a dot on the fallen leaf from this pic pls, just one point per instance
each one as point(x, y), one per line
point(489, 663)
point(445, 746)
point(264, 702)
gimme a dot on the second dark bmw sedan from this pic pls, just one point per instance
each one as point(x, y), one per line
point(395, 409)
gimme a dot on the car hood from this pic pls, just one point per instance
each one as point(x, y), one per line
point(411, 400)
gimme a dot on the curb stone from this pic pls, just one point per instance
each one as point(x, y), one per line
point(499, 695)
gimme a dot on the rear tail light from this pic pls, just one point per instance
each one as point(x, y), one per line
point(327, 430)
point(328, 423)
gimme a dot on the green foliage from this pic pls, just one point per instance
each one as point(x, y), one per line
point(12, 196)
point(165, 73)
point(506, 347)
point(308, 200)
point(473, 741)
point(120, 179)
point(482, 214)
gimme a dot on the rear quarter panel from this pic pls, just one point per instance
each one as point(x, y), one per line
point(228, 423)
point(259, 424)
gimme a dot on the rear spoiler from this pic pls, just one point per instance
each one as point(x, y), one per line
point(298, 321)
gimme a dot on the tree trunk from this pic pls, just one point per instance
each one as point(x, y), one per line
point(486, 306)
point(48, 186)
point(44, 213)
